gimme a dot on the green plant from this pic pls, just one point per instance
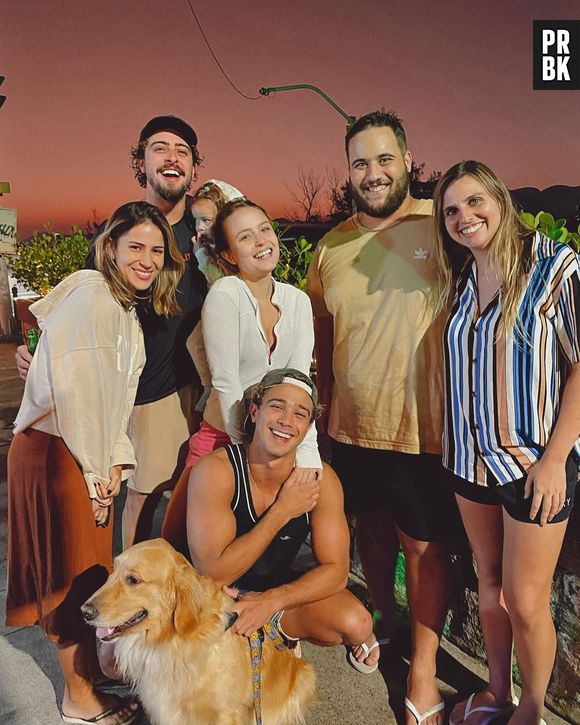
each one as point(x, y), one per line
point(295, 258)
point(45, 259)
point(555, 229)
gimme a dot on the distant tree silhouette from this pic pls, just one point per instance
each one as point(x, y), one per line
point(92, 226)
point(339, 196)
point(422, 188)
point(307, 194)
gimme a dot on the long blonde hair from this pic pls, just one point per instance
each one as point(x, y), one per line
point(164, 288)
point(506, 248)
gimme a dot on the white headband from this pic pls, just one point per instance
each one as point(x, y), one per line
point(229, 191)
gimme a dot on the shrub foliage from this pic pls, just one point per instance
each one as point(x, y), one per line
point(555, 229)
point(45, 259)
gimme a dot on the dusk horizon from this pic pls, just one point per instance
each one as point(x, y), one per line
point(83, 79)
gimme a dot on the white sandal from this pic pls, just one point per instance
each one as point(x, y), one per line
point(360, 666)
point(422, 717)
point(494, 712)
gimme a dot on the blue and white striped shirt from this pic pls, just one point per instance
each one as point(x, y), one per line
point(503, 388)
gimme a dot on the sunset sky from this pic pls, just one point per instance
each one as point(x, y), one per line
point(82, 78)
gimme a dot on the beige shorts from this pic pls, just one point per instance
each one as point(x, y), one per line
point(160, 433)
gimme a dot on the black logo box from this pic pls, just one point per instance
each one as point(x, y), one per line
point(573, 63)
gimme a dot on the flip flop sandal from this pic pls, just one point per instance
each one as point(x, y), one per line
point(360, 666)
point(422, 717)
point(494, 712)
point(102, 715)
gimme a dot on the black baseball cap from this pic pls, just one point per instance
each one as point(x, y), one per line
point(169, 123)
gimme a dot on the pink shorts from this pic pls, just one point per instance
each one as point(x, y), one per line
point(206, 440)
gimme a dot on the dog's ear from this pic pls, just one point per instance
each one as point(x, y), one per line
point(187, 600)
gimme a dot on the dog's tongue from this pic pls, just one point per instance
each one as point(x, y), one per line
point(103, 632)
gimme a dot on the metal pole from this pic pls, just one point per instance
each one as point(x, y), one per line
point(350, 120)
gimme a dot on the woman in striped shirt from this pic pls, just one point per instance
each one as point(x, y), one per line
point(512, 352)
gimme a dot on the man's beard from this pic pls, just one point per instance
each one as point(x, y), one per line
point(172, 194)
point(397, 194)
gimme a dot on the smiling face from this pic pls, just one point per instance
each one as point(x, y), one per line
point(472, 215)
point(282, 419)
point(139, 255)
point(168, 166)
point(252, 243)
point(378, 171)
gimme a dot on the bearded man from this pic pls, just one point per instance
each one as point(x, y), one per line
point(379, 365)
point(164, 161)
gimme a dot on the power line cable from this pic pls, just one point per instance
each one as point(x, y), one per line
point(219, 65)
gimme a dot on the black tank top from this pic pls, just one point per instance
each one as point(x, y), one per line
point(273, 568)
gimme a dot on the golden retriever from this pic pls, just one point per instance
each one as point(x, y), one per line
point(172, 643)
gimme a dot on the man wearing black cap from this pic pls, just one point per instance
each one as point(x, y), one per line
point(164, 161)
point(247, 519)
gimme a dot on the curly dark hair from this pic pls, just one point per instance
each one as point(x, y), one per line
point(137, 154)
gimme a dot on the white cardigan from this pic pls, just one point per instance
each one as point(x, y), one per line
point(239, 354)
point(83, 377)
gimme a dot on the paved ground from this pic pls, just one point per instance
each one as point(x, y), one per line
point(31, 683)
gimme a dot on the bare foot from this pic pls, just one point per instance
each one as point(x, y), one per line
point(125, 710)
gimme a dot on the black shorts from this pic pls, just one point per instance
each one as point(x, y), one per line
point(413, 488)
point(511, 495)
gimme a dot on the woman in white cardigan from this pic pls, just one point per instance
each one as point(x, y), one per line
point(70, 450)
point(251, 324)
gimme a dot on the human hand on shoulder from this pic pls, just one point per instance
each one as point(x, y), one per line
point(303, 475)
point(296, 498)
point(546, 483)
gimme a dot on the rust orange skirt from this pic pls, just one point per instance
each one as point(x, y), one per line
point(57, 555)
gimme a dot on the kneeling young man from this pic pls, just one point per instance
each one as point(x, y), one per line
point(247, 518)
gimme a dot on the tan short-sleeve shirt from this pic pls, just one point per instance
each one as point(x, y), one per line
point(387, 360)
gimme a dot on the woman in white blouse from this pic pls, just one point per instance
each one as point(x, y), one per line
point(251, 324)
point(70, 449)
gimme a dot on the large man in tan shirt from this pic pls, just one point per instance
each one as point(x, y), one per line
point(379, 363)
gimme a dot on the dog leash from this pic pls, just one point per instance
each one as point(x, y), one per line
point(256, 640)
